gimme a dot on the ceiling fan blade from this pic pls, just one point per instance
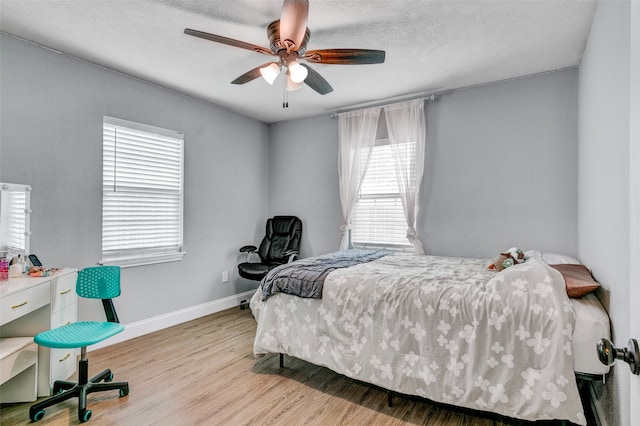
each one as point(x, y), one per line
point(228, 41)
point(293, 21)
point(251, 75)
point(345, 56)
point(316, 81)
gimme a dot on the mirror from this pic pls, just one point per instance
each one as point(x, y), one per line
point(15, 212)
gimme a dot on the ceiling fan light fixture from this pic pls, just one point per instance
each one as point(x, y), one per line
point(292, 86)
point(297, 72)
point(270, 72)
point(288, 40)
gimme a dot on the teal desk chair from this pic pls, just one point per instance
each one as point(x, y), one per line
point(100, 282)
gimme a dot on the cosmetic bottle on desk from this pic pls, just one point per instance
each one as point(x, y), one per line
point(4, 269)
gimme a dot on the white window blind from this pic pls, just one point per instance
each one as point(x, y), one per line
point(378, 218)
point(142, 193)
point(14, 218)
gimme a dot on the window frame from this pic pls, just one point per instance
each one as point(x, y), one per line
point(405, 246)
point(138, 256)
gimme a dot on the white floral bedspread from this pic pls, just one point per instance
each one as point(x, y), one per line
point(447, 329)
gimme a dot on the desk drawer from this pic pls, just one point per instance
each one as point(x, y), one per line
point(63, 364)
point(63, 291)
point(22, 302)
point(64, 316)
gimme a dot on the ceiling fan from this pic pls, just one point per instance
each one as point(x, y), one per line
point(288, 38)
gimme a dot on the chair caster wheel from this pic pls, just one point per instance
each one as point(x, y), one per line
point(84, 415)
point(124, 392)
point(37, 416)
point(57, 388)
point(109, 377)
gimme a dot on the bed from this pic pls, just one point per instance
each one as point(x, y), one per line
point(443, 328)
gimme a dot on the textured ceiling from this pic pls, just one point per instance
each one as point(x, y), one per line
point(430, 46)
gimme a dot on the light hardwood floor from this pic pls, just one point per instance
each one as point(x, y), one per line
point(203, 373)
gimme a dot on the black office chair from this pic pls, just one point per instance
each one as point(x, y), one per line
point(280, 245)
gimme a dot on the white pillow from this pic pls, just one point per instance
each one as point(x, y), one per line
point(532, 253)
point(557, 259)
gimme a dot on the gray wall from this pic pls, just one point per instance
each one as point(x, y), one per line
point(603, 209)
point(303, 179)
point(51, 138)
point(500, 170)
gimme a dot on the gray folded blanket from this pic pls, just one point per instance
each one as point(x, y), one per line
point(305, 277)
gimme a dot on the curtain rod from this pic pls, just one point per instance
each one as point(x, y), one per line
point(388, 101)
point(434, 96)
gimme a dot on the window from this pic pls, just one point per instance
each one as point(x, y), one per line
point(142, 193)
point(378, 218)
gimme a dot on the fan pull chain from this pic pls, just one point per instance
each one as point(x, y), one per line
point(285, 95)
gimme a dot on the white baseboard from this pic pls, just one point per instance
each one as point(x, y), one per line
point(140, 328)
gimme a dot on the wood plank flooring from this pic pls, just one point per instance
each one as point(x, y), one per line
point(203, 372)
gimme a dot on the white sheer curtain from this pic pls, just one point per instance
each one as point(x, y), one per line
point(407, 129)
point(357, 137)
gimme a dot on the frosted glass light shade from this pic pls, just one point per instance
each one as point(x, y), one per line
point(270, 72)
point(298, 72)
point(291, 85)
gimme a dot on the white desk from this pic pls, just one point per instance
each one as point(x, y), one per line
point(29, 305)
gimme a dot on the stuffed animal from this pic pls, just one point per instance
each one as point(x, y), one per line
point(508, 258)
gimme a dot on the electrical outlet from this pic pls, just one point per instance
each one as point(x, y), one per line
point(225, 276)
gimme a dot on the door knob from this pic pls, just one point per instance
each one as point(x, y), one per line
point(608, 354)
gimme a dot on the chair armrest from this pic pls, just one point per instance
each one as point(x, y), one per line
point(292, 254)
point(249, 249)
